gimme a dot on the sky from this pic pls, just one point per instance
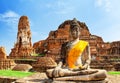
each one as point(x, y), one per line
point(101, 16)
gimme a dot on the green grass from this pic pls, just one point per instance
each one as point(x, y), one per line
point(114, 72)
point(18, 74)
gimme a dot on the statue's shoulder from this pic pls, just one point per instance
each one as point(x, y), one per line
point(83, 41)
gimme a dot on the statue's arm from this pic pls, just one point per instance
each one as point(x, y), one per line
point(88, 60)
point(89, 56)
point(60, 63)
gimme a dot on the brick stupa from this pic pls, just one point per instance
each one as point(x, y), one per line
point(23, 46)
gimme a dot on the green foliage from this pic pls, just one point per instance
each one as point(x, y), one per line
point(114, 72)
point(41, 55)
point(37, 54)
point(18, 74)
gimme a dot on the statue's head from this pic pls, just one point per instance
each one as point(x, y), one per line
point(75, 29)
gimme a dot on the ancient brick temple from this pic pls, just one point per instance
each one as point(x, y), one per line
point(23, 46)
point(52, 45)
point(4, 62)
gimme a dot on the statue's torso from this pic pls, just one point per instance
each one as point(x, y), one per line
point(80, 60)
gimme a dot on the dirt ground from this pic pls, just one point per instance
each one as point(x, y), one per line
point(114, 78)
point(39, 77)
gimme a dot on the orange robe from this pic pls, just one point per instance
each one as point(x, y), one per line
point(75, 52)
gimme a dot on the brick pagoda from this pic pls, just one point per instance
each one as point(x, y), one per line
point(23, 46)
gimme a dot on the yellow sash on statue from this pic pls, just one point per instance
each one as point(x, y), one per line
point(75, 52)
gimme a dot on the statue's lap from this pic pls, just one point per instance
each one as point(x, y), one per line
point(83, 75)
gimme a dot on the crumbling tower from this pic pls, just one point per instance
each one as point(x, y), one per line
point(23, 46)
point(2, 53)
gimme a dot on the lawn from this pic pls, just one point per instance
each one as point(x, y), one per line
point(11, 73)
point(114, 72)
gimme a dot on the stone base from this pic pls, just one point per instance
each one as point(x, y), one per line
point(7, 64)
point(50, 81)
point(80, 82)
point(85, 76)
point(5, 79)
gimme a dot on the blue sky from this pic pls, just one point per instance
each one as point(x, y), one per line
point(101, 16)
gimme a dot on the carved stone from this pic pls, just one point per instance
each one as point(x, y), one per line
point(22, 67)
point(87, 75)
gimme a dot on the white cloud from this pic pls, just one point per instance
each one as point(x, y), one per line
point(99, 3)
point(104, 4)
point(61, 7)
point(112, 9)
point(10, 18)
point(111, 19)
point(10, 14)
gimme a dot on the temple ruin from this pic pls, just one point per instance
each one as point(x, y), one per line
point(4, 62)
point(51, 46)
point(23, 46)
point(105, 55)
point(102, 53)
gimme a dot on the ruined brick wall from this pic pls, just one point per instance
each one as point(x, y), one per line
point(6, 63)
point(115, 48)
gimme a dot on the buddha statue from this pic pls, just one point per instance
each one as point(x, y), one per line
point(75, 60)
